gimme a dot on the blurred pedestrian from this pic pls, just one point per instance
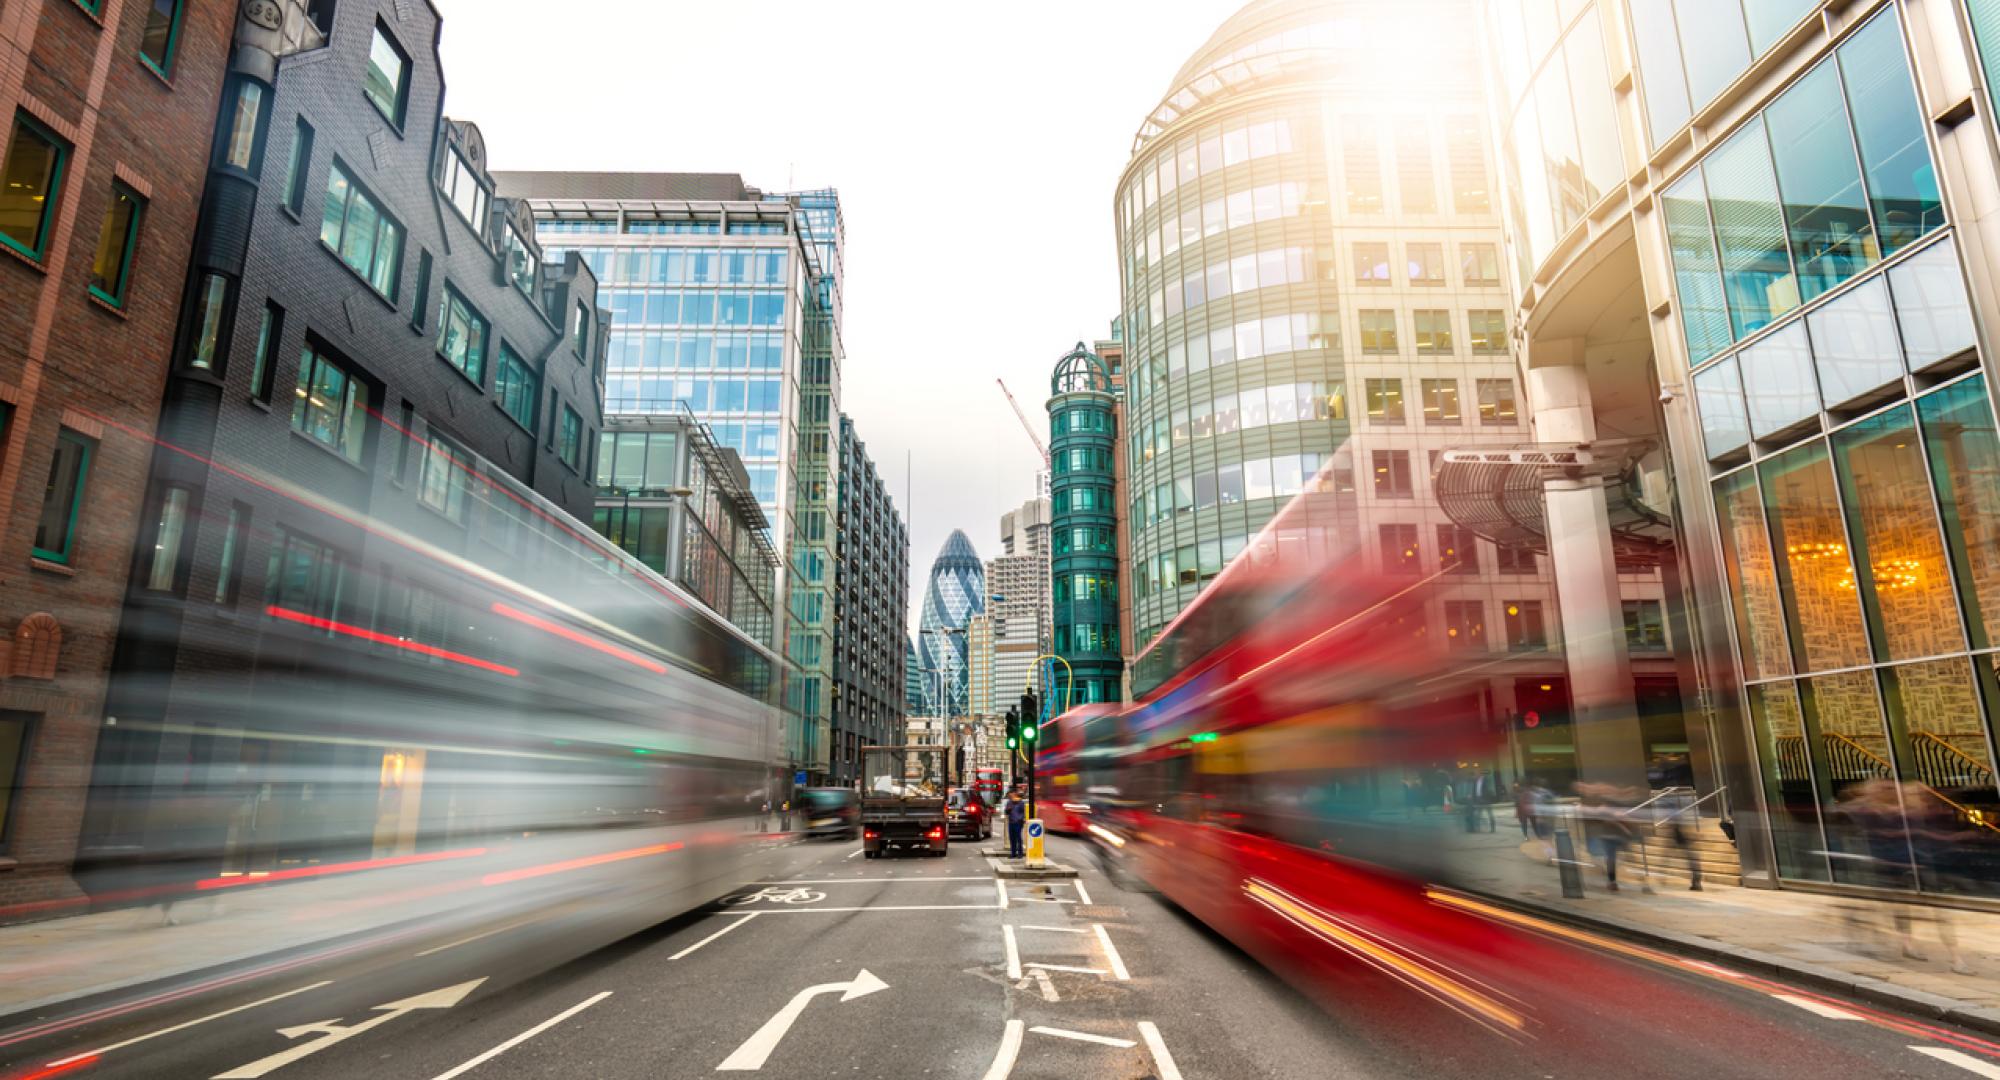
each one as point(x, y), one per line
point(1017, 818)
point(1672, 811)
point(1939, 839)
point(1476, 796)
point(1605, 826)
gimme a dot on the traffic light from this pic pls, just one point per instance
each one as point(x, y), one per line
point(1013, 730)
point(1031, 718)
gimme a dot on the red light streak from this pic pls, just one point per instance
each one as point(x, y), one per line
point(585, 640)
point(337, 868)
point(58, 1070)
point(505, 876)
point(365, 634)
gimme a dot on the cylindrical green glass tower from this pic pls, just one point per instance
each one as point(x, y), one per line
point(1083, 586)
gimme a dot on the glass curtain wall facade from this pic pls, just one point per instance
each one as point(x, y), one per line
point(956, 592)
point(1834, 449)
point(1307, 286)
point(1083, 496)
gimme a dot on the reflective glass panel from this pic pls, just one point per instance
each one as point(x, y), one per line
point(1719, 400)
point(1854, 344)
point(1931, 306)
point(1905, 582)
point(1750, 230)
point(1939, 731)
point(1697, 279)
point(1778, 381)
point(1902, 185)
point(1664, 84)
point(1826, 212)
point(1788, 781)
point(1753, 581)
point(1596, 122)
point(1964, 452)
point(1863, 811)
point(1815, 576)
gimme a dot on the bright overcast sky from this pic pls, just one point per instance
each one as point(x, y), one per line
point(976, 148)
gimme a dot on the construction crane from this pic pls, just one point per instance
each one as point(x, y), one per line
point(1040, 448)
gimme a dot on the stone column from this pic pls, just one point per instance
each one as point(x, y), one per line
point(1604, 714)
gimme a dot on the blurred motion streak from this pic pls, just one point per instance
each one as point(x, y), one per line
point(336, 868)
point(526, 872)
point(365, 634)
point(584, 640)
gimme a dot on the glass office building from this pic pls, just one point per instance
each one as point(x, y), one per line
point(955, 593)
point(1734, 229)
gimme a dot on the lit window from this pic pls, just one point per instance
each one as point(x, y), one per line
point(1487, 331)
point(1479, 264)
point(1378, 332)
point(1385, 401)
point(1496, 402)
point(30, 180)
point(156, 42)
point(331, 406)
point(1441, 401)
point(117, 238)
point(387, 82)
point(62, 500)
point(1525, 629)
point(355, 227)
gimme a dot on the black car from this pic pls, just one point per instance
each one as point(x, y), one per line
point(967, 814)
point(830, 811)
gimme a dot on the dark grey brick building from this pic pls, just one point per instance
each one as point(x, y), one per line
point(871, 606)
point(376, 376)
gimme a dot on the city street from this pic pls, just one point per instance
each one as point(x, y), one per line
point(921, 967)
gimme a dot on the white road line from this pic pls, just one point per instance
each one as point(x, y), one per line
point(886, 880)
point(1048, 987)
point(1010, 1048)
point(852, 854)
point(476, 937)
point(1057, 929)
point(1083, 1036)
point(522, 1037)
point(183, 1026)
point(1013, 952)
point(1111, 953)
point(1082, 893)
point(1712, 969)
point(1163, 1062)
point(1064, 967)
point(1816, 1008)
point(715, 935)
point(1964, 1061)
point(1042, 900)
point(883, 907)
point(1000, 886)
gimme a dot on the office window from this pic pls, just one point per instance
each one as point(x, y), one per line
point(421, 302)
point(1697, 276)
point(1486, 331)
point(387, 81)
point(1889, 130)
point(1466, 157)
point(62, 499)
point(1399, 549)
point(517, 388)
point(1645, 625)
point(523, 265)
point(1757, 277)
point(1441, 402)
point(298, 164)
point(441, 483)
point(569, 445)
point(240, 151)
point(1385, 401)
point(1458, 550)
point(1426, 264)
point(157, 40)
point(210, 344)
point(1378, 332)
point(1514, 560)
point(364, 237)
point(1526, 629)
point(169, 528)
point(1433, 332)
point(1479, 264)
point(1392, 474)
point(1496, 402)
point(270, 329)
point(1363, 165)
point(30, 186)
point(1371, 264)
point(1826, 212)
point(579, 331)
point(461, 187)
point(228, 569)
point(1413, 166)
point(331, 405)
point(1465, 624)
point(462, 335)
point(14, 727)
point(117, 240)
point(304, 578)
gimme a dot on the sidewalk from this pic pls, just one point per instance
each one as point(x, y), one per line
point(1810, 938)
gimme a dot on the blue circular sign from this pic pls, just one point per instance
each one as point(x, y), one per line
point(1034, 828)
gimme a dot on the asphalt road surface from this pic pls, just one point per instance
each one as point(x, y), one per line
point(919, 967)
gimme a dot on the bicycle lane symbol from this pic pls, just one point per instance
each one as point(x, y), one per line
point(777, 896)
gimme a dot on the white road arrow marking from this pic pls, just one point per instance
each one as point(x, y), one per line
point(331, 1032)
point(757, 1048)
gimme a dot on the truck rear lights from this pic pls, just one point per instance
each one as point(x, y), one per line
point(935, 833)
point(870, 834)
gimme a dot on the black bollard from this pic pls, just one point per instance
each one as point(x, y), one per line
point(1572, 880)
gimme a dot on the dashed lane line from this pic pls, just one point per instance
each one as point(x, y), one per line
point(1000, 886)
point(746, 918)
point(1963, 1060)
point(1082, 893)
point(1083, 1036)
point(852, 854)
point(522, 1037)
point(1111, 953)
point(182, 1026)
point(1163, 1062)
point(1013, 952)
point(1010, 1048)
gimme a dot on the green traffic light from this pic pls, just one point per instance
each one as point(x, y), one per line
point(1028, 733)
point(1013, 743)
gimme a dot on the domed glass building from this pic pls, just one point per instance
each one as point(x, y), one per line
point(957, 592)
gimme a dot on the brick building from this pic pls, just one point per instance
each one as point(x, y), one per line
point(109, 108)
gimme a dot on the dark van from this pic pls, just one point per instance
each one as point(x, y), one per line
point(831, 811)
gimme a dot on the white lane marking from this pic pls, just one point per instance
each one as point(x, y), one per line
point(883, 907)
point(1013, 952)
point(1964, 1061)
point(1163, 1062)
point(1048, 986)
point(715, 935)
point(1010, 1048)
point(852, 854)
point(1082, 893)
point(1083, 1036)
point(1057, 929)
point(476, 937)
point(1816, 1008)
point(755, 1050)
point(523, 1037)
point(331, 1031)
point(183, 1026)
point(1111, 953)
point(1064, 967)
point(1043, 900)
point(886, 880)
point(1000, 886)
